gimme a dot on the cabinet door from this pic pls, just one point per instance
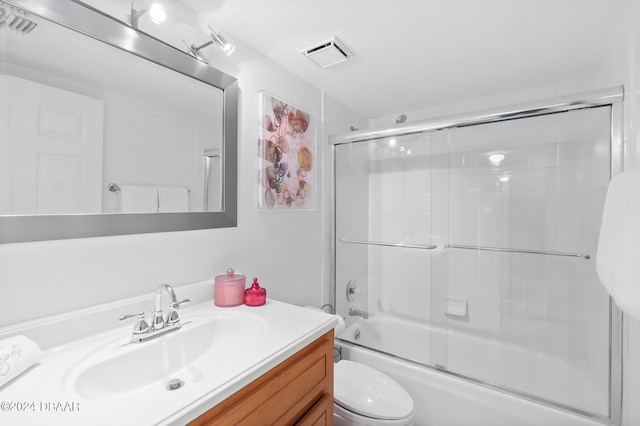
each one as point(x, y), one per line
point(321, 414)
point(283, 395)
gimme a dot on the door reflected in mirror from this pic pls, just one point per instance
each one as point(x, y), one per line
point(89, 128)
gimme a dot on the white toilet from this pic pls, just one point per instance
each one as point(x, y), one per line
point(366, 396)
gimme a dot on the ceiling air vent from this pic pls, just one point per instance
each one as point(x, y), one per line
point(328, 53)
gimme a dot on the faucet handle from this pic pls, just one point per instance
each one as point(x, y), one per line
point(172, 316)
point(141, 325)
point(176, 305)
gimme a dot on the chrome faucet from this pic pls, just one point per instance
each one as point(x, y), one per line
point(358, 313)
point(158, 319)
point(160, 323)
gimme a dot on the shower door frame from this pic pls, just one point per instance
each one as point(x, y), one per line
point(611, 97)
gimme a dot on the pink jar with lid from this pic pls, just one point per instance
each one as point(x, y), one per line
point(228, 289)
point(255, 295)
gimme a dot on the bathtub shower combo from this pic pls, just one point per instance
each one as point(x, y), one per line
point(464, 254)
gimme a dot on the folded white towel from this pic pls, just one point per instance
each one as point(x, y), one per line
point(17, 354)
point(138, 199)
point(173, 199)
point(618, 256)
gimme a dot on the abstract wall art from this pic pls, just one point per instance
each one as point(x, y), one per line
point(287, 163)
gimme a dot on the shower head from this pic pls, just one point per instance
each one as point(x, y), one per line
point(16, 19)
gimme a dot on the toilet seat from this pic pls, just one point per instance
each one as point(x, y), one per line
point(368, 392)
point(344, 417)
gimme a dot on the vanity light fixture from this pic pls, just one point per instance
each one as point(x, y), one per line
point(217, 39)
point(156, 13)
point(222, 42)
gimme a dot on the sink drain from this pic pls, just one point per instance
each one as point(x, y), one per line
point(175, 384)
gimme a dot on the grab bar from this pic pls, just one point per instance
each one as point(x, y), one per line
point(114, 187)
point(385, 244)
point(551, 253)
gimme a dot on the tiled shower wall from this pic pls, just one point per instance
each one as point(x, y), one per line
point(400, 207)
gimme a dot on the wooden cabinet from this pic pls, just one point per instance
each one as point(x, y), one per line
point(321, 414)
point(298, 391)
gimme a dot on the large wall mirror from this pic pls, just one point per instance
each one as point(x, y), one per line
point(105, 130)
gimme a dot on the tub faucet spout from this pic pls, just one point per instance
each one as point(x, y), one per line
point(358, 313)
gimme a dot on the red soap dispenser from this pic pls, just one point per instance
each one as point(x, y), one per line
point(255, 295)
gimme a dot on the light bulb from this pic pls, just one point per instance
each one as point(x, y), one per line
point(496, 159)
point(157, 13)
point(228, 49)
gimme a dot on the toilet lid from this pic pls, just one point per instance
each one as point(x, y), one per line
point(369, 392)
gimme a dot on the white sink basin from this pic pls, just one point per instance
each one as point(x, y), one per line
point(118, 369)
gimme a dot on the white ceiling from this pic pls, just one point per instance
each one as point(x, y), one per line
point(412, 54)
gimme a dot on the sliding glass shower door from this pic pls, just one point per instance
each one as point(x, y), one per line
point(525, 204)
point(383, 190)
point(471, 249)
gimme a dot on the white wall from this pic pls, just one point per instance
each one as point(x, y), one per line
point(620, 65)
point(287, 250)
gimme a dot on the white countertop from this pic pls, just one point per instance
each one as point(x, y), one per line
point(48, 393)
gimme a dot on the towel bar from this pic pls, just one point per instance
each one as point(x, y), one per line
point(550, 253)
point(385, 244)
point(114, 187)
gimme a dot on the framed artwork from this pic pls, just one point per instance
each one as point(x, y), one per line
point(287, 157)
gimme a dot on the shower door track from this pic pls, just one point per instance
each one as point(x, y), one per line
point(598, 98)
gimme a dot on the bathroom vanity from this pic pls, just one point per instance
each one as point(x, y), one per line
point(224, 366)
point(297, 391)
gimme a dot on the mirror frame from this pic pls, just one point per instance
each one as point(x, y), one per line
point(91, 22)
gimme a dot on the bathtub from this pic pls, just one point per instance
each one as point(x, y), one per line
point(443, 399)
